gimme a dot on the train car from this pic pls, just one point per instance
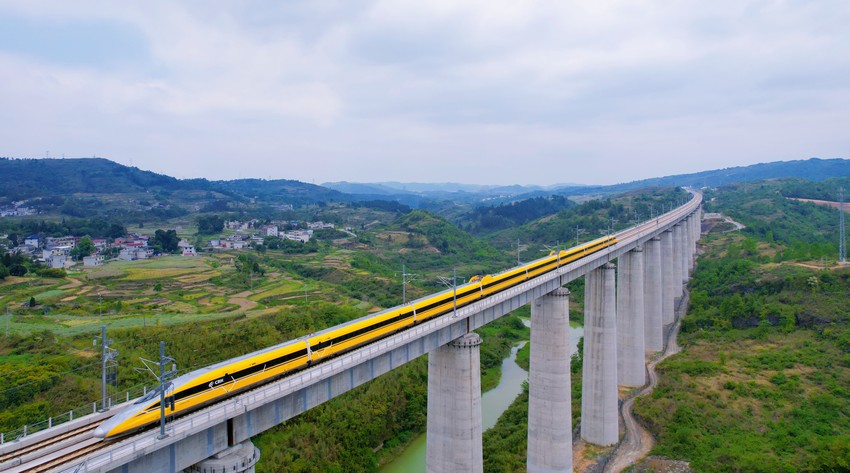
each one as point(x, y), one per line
point(207, 385)
point(200, 387)
point(357, 332)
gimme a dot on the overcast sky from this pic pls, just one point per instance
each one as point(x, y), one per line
point(476, 91)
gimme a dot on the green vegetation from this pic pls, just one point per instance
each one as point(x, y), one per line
point(487, 219)
point(763, 382)
point(803, 230)
point(593, 219)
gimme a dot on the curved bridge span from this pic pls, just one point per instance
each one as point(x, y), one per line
point(661, 250)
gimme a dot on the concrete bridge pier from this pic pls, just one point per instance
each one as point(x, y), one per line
point(694, 234)
point(669, 281)
point(630, 319)
point(453, 440)
point(689, 244)
point(599, 417)
point(653, 296)
point(550, 443)
point(678, 250)
point(684, 254)
point(239, 458)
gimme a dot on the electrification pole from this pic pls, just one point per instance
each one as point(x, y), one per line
point(107, 357)
point(453, 281)
point(162, 378)
point(517, 252)
point(842, 243)
point(405, 278)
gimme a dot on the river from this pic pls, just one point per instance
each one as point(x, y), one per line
point(493, 404)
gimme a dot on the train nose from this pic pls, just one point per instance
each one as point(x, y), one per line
point(100, 432)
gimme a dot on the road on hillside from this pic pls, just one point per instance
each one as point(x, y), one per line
point(637, 442)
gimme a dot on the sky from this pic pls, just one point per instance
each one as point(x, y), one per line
point(475, 91)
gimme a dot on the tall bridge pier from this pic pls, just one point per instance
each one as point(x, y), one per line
point(669, 280)
point(599, 373)
point(453, 440)
point(652, 296)
point(631, 347)
point(550, 440)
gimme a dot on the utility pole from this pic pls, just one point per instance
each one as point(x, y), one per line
point(405, 278)
point(842, 243)
point(108, 355)
point(100, 305)
point(451, 282)
point(8, 316)
point(517, 252)
point(578, 232)
point(162, 378)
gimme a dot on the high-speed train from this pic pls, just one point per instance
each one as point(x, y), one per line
point(202, 387)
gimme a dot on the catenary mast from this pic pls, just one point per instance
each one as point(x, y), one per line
point(842, 243)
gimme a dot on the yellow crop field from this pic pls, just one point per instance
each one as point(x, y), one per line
point(140, 274)
point(198, 277)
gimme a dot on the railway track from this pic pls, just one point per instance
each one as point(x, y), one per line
point(61, 457)
point(29, 453)
point(46, 443)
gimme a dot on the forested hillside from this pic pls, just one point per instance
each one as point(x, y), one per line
point(803, 230)
point(33, 178)
point(762, 384)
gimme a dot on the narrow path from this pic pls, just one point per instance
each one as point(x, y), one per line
point(71, 284)
point(637, 442)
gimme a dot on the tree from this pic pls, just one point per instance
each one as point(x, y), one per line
point(211, 224)
point(84, 248)
point(165, 241)
point(117, 231)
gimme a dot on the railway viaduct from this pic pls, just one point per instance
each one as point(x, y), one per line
point(626, 310)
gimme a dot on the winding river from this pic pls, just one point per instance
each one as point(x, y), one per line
point(493, 404)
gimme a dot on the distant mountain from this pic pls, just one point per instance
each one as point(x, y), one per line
point(286, 190)
point(814, 169)
point(431, 195)
point(28, 178)
point(364, 189)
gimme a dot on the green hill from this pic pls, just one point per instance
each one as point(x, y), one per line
point(31, 178)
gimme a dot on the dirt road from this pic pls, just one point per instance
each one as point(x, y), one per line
point(637, 442)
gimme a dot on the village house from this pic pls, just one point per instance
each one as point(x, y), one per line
point(93, 260)
point(62, 241)
point(233, 244)
point(134, 253)
point(299, 235)
point(320, 225)
point(59, 261)
point(47, 253)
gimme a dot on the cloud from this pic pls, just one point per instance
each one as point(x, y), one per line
point(481, 91)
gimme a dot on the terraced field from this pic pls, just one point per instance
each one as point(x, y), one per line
point(160, 291)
